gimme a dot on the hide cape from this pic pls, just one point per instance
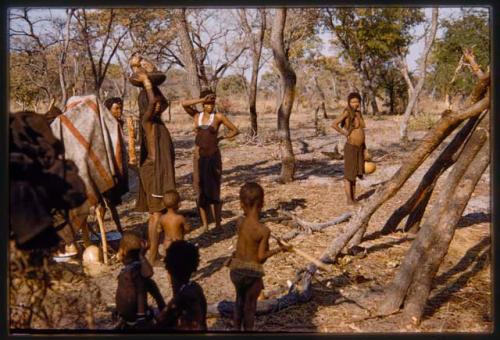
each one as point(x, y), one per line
point(43, 185)
point(92, 138)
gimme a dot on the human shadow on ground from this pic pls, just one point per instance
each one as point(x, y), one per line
point(366, 195)
point(183, 143)
point(318, 168)
point(387, 245)
point(240, 174)
point(474, 260)
point(212, 267)
point(215, 235)
point(464, 222)
point(237, 175)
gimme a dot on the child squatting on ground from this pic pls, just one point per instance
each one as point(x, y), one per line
point(134, 283)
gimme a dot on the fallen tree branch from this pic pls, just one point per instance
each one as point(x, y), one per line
point(309, 227)
point(225, 308)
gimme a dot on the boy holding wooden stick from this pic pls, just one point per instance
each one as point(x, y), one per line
point(252, 250)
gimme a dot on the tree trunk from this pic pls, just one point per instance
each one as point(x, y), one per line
point(62, 59)
point(445, 213)
point(373, 102)
point(391, 100)
point(288, 81)
point(321, 95)
point(189, 56)
point(334, 86)
point(423, 67)
point(426, 186)
point(257, 43)
point(406, 75)
point(421, 286)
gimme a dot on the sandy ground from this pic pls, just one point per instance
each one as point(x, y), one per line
point(462, 294)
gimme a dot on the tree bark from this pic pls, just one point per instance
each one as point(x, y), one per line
point(322, 97)
point(62, 58)
point(189, 56)
point(256, 43)
point(423, 67)
point(421, 286)
point(444, 215)
point(369, 96)
point(426, 186)
point(288, 81)
point(406, 75)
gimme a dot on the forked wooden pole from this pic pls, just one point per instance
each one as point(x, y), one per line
point(98, 214)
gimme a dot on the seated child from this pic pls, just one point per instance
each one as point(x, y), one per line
point(252, 250)
point(187, 310)
point(174, 225)
point(134, 282)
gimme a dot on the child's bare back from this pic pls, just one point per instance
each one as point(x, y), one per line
point(173, 224)
point(253, 240)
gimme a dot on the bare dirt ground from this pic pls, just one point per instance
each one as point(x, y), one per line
point(462, 295)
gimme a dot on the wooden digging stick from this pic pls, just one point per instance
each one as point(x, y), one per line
point(305, 255)
point(131, 141)
point(104, 240)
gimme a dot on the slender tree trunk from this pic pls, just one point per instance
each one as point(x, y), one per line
point(288, 81)
point(435, 232)
point(334, 87)
point(256, 43)
point(321, 95)
point(62, 59)
point(373, 102)
point(189, 56)
point(391, 100)
point(403, 131)
point(404, 71)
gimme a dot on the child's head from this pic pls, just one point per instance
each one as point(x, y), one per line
point(171, 199)
point(251, 196)
point(130, 245)
point(354, 100)
point(181, 260)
